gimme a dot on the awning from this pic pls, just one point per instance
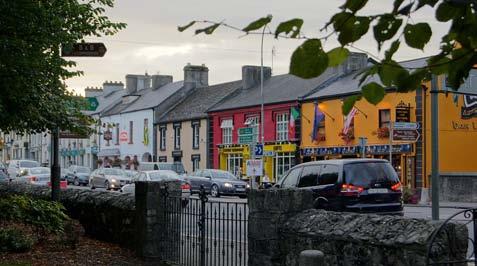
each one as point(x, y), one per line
point(227, 123)
point(109, 152)
point(251, 121)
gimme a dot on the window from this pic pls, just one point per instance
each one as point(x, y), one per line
point(162, 138)
point(309, 176)
point(283, 162)
point(291, 179)
point(195, 134)
point(234, 164)
point(131, 132)
point(329, 174)
point(384, 118)
point(117, 134)
point(227, 129)
point(195, 162)
point(282, 126)
point(177, 137)
point(254, 122)
point(322, 130)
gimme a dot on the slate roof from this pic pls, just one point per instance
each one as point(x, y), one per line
point(277, 89)
point(196, 103)
point(107, 101)
point(349, 84)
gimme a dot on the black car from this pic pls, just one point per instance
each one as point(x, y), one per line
point(356, 185)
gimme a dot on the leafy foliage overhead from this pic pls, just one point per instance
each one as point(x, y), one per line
point(457, 55)
point(32, 71)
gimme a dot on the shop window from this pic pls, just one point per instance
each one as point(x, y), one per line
point(282, 126)
point(234, 164)
point(227, 130)
point(283, 162)
point(162, 138)
point(321, 130)
point(384, 118)
point(254, 122)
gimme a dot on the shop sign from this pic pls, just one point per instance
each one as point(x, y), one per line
point(268, 153)
point(384, 149)
point(405, 135)
point(406, 125)
point(123, 136)
point(351, 150)
point(108, 135)
point(469, 109)
point(254, 167)
point(66, 134)
point(403, 112)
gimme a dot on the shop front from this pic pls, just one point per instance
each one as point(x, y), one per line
point(232, 158)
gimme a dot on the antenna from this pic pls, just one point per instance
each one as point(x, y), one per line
point(273, 55)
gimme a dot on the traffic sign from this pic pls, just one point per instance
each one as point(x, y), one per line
point(245, 139)
point(268, 153)
point(91, 104)
point(245, 131)
point(405, 125)
point(91, 49)
point(254, 167)
point(405, 135)
point(258, 150)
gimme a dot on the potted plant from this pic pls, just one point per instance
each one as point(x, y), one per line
point(348, 137)
point(383, 132)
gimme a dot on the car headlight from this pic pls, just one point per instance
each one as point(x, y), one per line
point(113, 180)
point(247, 185)
point(227, 185)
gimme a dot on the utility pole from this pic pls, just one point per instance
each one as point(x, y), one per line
point(262, 122)
point(55, 167)
point(435, 148)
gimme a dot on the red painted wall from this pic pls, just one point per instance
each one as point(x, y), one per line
point(239, 116)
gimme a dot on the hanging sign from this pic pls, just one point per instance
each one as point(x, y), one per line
point(123, 136)
point(403, 112)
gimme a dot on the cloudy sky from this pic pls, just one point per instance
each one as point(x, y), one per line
point(152, 44)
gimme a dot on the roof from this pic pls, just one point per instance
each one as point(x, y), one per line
point(349, 84)
point(199, 100)
point(276, 89)
point(106, 101)
point(148, 99)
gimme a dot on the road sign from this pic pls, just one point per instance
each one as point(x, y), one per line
point(245, 131)
point(258, 150)
point(91, 49)
point(246, 139)
point(91, 103)
point(405, 135)
point(405, 125)
point(254, 167)
point(66, 134)
point(268, 153)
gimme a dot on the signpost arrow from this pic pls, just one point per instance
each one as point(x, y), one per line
point(92, 49)
point(259, 150)
point(405, 125)
point(405, 135)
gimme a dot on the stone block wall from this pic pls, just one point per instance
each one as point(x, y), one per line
point(458, 187)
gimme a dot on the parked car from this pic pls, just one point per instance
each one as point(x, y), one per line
point(63, 172)
point(4, 177)
point(177, 167)
point(130, 174)
point(78, 175)
point(14, 166)
point(356, 185)
point(35, 175)
point(217, 183)
point(109, 178)
point(3, 168)
point(160, 175)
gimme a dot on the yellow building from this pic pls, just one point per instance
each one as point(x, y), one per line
point(411, 159)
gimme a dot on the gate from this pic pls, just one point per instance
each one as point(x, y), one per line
point(443, 248)
point(200, 232)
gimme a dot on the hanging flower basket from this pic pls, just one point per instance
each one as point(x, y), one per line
point(348, 137)
point(383, 132)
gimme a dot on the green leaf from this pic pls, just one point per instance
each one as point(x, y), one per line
point(417, 35)
point(392, 50)
point(350, 28)
point(354, 5)
point(348, 103)
point(183, 28)
point(373, 92)
point(409, 82)
point(389, 72)
point(439, 64)
point(386, 28)
point(208, 30)
point(446, 12)
point(406, 10)
point(309, 60)
point(397, 4)
point(336, 56)
point(293, 26)
point(257, 24)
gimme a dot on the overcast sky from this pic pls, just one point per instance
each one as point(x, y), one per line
point(152, 44)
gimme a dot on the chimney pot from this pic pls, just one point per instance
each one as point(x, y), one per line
point(251, 75)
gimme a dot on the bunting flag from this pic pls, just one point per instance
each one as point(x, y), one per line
point(294, 114)
point(317, 118)
point(348, 120)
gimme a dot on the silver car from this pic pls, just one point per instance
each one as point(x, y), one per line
point(218, 183)
point(109, 178)
point(35, 175)
point(15, 166)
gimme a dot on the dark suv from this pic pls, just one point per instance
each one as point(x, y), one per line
point(357, 185)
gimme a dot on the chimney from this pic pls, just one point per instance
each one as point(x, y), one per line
point(131, 84)
point(112, 86)
point(355, 61)
point(92, 92)
point(160, 80)
point(196, 76)
point(251, 75)
point(136, 83)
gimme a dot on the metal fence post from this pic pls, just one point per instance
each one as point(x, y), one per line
point(311, 258)
point(203, 200)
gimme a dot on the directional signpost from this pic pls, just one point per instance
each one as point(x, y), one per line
point(246, 135)
point(405, 131)
point(92, 49)
point(258, 150)
point(91, 103)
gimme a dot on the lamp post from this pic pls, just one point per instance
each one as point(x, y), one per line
point(262, 116)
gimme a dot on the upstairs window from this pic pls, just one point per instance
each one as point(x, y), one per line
point(177, 137)
point(162, 138)
point(282, 121)
point(227, 130)
point(254, 122)
point(384, 118)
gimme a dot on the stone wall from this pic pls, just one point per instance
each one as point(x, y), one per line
point(458, 187)
point(104, 215)
point(282, 223)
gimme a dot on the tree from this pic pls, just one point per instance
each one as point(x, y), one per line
point(456, 58)
point(32, 71)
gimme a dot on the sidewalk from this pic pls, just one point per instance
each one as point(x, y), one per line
point(446, 204)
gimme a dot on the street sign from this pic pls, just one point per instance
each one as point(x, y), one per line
point(66, 134)
point(245, 131)
point(91, 103)
point(268, 153)
point(405, 125)
point(405, 135)
point(254, 167)
point(92, 49)
point(246, 139)
point(258, 150)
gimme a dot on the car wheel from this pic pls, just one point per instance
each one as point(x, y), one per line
point(76, 182)
point(106, 184)
point(214, 191)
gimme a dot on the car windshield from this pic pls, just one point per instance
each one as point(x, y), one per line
point(223, 174)
point(156, 176)
point(366, 173)
point(29, 164)
point(112, 171)
point(39, 171)
point(84, 170)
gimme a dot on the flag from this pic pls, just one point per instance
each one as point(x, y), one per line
point(292, 125)
point(348, 120)
point(317, 118)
